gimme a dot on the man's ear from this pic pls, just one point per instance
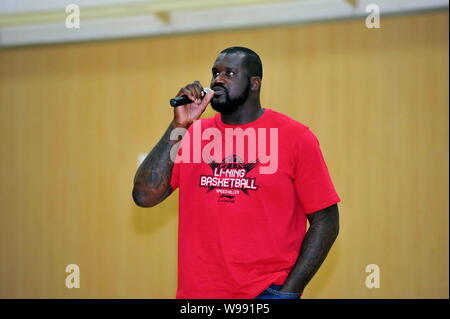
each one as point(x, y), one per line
point(255, 83)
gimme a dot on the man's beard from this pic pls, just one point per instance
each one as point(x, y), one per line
point(230, 104)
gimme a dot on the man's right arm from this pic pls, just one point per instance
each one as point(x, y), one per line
point(152, 179)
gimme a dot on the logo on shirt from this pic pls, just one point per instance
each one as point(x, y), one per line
point(229, 178)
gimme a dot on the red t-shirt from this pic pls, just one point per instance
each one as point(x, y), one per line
point(242, 219)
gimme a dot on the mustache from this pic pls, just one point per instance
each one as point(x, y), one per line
point(217, 86)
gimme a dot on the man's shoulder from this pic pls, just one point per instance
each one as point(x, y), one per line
point(287, 122)
point(277, 119)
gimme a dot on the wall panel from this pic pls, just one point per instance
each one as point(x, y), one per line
point(74, 117)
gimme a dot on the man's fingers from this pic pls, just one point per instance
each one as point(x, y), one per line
point(196, 89)
point(207, 99)
point(188, 93)
point(194, 92)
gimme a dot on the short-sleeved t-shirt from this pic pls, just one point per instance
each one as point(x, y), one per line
point(244, 192)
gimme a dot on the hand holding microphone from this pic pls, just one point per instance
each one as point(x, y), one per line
point(183, 99)
point(190, 103)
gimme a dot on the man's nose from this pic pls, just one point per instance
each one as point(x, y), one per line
point(219, 79)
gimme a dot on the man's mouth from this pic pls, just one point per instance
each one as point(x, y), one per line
point(219, 91)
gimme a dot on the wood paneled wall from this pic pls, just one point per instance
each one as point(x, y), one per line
point(74, 117)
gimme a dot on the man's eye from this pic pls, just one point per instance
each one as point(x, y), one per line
point(228, 73)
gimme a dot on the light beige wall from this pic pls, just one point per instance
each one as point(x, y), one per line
point(74, 117)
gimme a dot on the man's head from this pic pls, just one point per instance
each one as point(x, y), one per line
point(236, 78)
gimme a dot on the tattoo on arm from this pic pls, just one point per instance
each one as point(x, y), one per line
point(152, 179)
point(323, 230)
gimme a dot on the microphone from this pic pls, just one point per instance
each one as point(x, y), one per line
point(183, 99)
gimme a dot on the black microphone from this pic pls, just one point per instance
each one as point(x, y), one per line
point(182, 100)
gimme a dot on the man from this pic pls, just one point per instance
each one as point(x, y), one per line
point(243, 210)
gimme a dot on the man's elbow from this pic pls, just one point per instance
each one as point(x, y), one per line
point(329, 218)
point(335, 221)
point(143, 199)
point(336, 230)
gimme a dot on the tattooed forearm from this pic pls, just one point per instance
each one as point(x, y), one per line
point(152, 179)
point(323, 230)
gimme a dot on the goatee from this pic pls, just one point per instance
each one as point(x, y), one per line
point(229, 105)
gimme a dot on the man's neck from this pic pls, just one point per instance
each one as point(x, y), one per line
point(246, 113)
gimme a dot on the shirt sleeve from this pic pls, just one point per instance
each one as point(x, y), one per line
point(312, 180)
